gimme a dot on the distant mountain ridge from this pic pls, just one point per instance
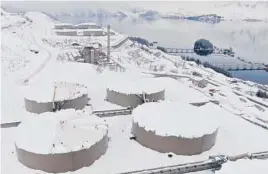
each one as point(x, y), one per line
point(210, 12)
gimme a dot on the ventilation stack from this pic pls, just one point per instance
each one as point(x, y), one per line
point(108, 43)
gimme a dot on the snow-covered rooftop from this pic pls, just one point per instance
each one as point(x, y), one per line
point(86, 23)
point(59, 132)
point(63, 24)
point(79, 30)
point(245, 166)
point(63, 91)
point(175, 119)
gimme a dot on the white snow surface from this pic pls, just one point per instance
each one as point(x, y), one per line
point(63, 91)
point(245, 166)
point(175, 119)
point(59, 132)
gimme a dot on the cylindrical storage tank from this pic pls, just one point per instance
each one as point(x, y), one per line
point(134, 92)
point(174, 127)
point(59, 95)
point(60, 142)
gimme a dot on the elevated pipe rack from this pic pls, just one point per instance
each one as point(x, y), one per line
point(114, 112)
point(214, 162)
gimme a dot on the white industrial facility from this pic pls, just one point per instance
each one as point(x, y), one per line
point(65, 111)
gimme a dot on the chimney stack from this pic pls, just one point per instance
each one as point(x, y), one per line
point(108, 43)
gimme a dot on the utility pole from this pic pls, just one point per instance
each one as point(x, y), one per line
point(108, 43)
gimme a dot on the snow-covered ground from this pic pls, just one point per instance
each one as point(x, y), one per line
point(22, 67)
point(244, 166)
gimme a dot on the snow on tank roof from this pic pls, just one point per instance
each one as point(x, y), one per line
point(175, 119)
point(245, 166)
point(135, 85)
point(60, 132)
point(63, 91)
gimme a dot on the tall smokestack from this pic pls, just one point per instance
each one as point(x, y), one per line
point(108, 43)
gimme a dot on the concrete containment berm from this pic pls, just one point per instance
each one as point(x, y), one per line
point(174, 127)
point(131, 93)
point(56, 96)
point(60, 142)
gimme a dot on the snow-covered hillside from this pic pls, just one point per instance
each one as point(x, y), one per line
point(30, 57)
point(250, 11)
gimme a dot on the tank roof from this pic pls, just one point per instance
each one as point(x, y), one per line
point(60, 132)
point(175, 119)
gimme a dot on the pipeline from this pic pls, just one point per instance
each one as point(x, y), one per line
point(115, 112)
point(214, 162)
point(259, 155)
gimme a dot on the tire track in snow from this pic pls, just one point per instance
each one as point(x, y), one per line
point(27, 79)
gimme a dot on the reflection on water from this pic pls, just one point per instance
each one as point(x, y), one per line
point(255, 76)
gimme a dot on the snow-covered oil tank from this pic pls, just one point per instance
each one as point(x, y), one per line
point(174, 127)
point(131, 93)
point(60, 142)
point(56, 96)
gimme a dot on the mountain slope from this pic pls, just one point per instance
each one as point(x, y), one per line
point(251, 11)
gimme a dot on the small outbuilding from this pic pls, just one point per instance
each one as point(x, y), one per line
point(200, 82)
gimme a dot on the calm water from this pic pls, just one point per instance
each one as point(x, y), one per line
point(248, 40)
point(255, 76)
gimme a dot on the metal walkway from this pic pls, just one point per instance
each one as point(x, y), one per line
point(114, 112)
point(187, 50)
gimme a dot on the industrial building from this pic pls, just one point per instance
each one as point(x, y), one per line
point(87, 26)
point(199, 81)
point(61, 142)
point(78, 26)
point(64, 26)
point(168, 127)
point(83, 29)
